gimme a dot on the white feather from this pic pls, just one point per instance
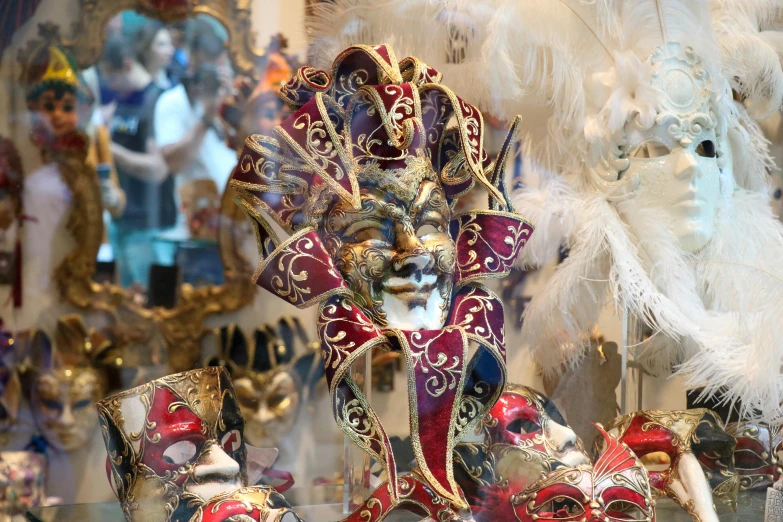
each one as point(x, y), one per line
point(751, 51)
point(717, 314)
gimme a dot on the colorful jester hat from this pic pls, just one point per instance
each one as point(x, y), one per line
point(365, 175)
point(51, 67)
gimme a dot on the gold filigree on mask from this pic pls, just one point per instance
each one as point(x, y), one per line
point(395, 252)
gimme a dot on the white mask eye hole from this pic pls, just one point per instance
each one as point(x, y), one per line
point(624, 510)
point(650, 149)
point(427, 229)
point(657, 461)
point(231, 441)
point(706, 149)
point(180, 452)
point(523, 426)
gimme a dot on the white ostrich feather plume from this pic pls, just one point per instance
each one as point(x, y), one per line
point(751, 42)
point(717, 314)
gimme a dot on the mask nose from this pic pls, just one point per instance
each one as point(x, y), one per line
point(562, 436)
point(66, 418)
point(216, 463)
point(686, 166)
point(410, 255)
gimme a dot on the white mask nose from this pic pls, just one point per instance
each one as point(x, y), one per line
point(217, 464)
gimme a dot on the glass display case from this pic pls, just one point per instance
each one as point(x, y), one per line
point(361, 260)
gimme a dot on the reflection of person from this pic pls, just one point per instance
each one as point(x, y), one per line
point(154, 50)
point(257, 109)
point(141, 169)
point(186, 127)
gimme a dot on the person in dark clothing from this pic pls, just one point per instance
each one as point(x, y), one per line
point(141, 168)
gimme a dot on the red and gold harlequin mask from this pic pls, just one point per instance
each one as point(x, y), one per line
point(253, 504)
point(65, 381)
point(757, 457)
point(173, 444)
point(688, 454)
point(22, 482)
point(364, 176)
point(525, 437)
point(614, 489)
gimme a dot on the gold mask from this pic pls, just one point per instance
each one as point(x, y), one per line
point(395, 252)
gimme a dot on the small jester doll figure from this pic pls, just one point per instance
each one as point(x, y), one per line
point(60, 103)
point(364, 175)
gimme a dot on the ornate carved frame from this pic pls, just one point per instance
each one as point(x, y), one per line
point(181, 328)
point(235, 15)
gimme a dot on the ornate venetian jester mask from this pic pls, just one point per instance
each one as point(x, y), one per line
point(65, 381)
point(757, 457)
point(22, 481)
point(173, 444)
point(270, 381)
point(614, 489)
point(525, 437)
point(688, 454)
point(364, 176)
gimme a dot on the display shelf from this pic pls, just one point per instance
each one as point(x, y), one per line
point(750, 509)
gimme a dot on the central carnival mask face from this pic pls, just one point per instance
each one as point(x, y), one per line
point(396, 254)
point(174, 443)
point(614, 489)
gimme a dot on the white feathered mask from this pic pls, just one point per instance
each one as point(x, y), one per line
point(652, 176)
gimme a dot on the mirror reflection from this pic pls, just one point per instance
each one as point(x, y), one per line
point(160, 93)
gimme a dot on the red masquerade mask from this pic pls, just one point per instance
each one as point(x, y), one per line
point(525, 437)
point(254, 504)
point(173, 444)
point(757, 457)
point(669, 443)
point(614, 489)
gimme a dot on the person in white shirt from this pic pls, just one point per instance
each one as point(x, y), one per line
point(187, 129)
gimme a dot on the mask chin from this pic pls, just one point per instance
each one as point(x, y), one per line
point(427, 316)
